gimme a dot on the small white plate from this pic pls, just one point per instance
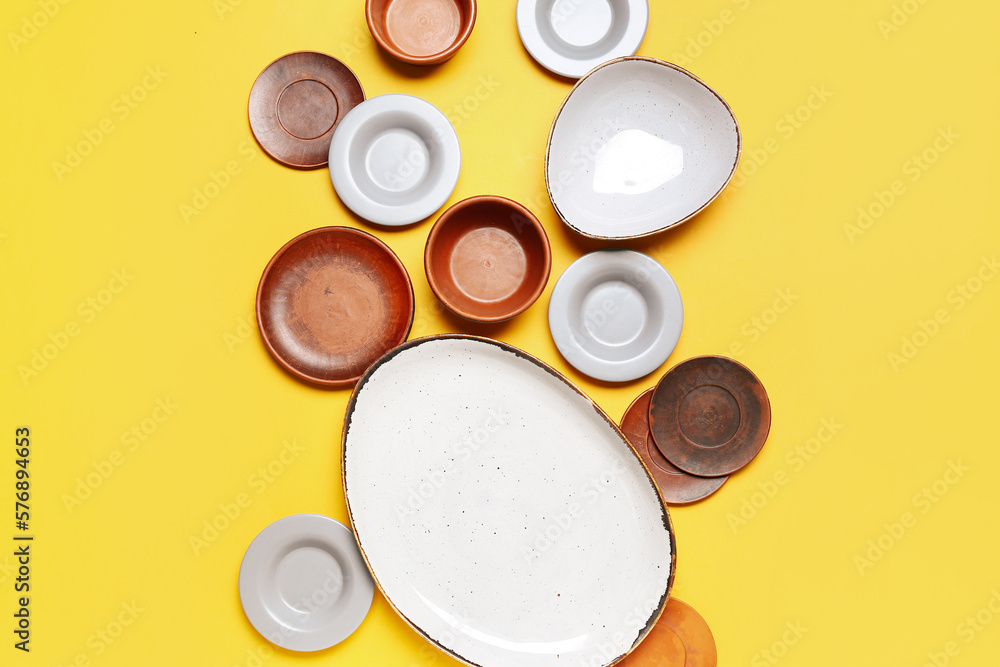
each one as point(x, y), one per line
point(616, 314)
point(394, 159)
point(571, 37)
point(303, 583)
point(638, 146)
point(503, 514)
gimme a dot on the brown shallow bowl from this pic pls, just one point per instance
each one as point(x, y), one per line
point(296, 103)
point(487, 258)
point(421, 32)
point(331, 302)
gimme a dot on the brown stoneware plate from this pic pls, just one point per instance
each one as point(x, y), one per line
point(487, 258)
point(332, 301)
point(676, 486)
point(709, 416)
point(662, 647)
point(421, 32)
point(699, 644)
point(296, 103)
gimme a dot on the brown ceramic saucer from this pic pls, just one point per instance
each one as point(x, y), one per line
point(662, 647)
point(709, 416)
point(295, 104)
point(676, 486)
point(693, 631)
point(487, 258)
point(421, 32)
point(332, 301)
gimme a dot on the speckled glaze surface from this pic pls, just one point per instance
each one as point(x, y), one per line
point(501, 512)
point(638, 146)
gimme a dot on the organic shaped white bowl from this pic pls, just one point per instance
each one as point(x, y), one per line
point(501, 512)
point(638, 146)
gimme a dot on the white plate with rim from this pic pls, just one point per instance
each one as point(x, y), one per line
point(638, 146)
point(501, 511)
point(571, 37)
point(616, 314)
point(303, 584)
point(394, 159)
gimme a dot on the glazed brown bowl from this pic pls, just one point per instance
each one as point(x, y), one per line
point(421, 32)
point(487, 258)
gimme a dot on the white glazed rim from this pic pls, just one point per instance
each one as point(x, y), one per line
point(542, 51)
point(672, 223)
point(374, 111)
point(351, 403)
point(336, 536)
point(660, 286)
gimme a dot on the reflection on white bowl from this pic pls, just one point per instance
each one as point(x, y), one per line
point(616, 314)
point(638, 146)
point(571, 37)
point(394, 159)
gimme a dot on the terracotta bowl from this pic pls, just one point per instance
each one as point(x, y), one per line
point(332, 301)
point(487, 258)
point(421, 32)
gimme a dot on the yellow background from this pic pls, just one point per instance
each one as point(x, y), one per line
point(182, 328)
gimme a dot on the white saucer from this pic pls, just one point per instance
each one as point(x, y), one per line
point(638, 146)
point(303, 584)
point(616, 315)
point(394, 159)
point(571, 37)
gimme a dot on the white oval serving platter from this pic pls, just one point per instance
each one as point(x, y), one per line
point(500, 511)
point(638, 146)
point(303, 585)
point(616, 314)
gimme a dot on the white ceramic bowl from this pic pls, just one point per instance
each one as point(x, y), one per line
point(502, 513)
point(571, 37)
point(303, 584)
point(394, 159)
point(638, 146)
point(616, 315)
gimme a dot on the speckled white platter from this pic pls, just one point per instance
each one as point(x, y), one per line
point(501, 512)
point(639, 145)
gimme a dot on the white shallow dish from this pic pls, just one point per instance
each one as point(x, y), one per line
point(571, 37)
point(638, 146)
point(502, 513)
point(394, 159)
point(616, 314)
point(303, 584)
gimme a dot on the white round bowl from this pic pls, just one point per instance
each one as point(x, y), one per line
point(571, 37)
point(638, 146)
point(616, 315)
point(394, 159)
